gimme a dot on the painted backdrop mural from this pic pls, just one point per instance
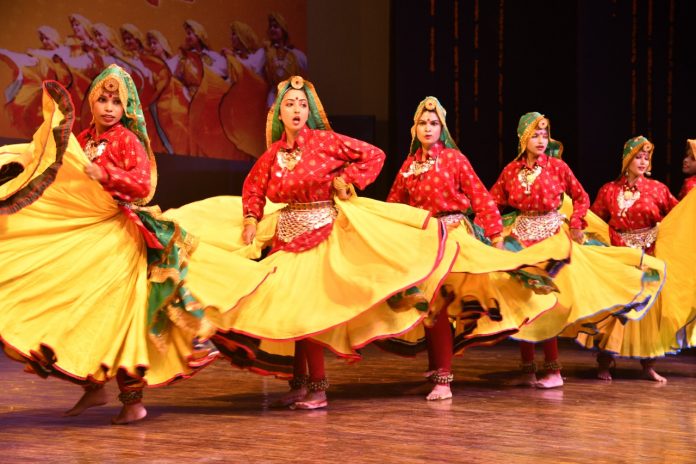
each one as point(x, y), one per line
point(206, 70)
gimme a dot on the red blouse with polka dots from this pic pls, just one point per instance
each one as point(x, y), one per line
point(630, 208)
point(449, 185)
point(323, 155)
point(544, 194)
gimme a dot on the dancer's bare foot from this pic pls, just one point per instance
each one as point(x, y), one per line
point(650, 374)
point(440, 392)
point(313, 400)
point(289, 398)
point(605, 361)
point(550, 380)
point(90, 398)
point(526, 379)
point(603, 373)
point(130, 413)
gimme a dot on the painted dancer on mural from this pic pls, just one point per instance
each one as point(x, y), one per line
point(534, 185)
point(487, 305)
point(172, 97)
point(247, 92)
point(246, 47)
point(641, 213)
point(281, 58)
point(338, 257)
point(107, 296)
point(205, 73)
point(29, 69)
point(84, 63)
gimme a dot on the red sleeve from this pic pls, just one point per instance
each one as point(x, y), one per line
point(126, 169)
point(364, 160)
point(399, 192)
point(581, 200)
point(667, 200)
point(601, 204)
point(482, 202)
point(498, 191)
point(256, 184)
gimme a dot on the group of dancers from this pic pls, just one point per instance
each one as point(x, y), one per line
point(186, 90)
point(98, 285)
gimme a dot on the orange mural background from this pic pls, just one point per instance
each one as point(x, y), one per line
point(209, 104)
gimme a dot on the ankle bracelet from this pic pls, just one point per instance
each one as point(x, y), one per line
point(441, 377)
point(552, 366)
point(130, 397)
point(318, 385)
point(528, 368)
point(298, 382)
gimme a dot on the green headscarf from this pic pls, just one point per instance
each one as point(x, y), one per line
point(631, 148)
point(116, 79)
point(431, 104)
point(317, 117)
point(530, 122)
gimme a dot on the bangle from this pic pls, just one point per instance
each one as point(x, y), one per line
point(250, 220)
point(497, 239)
point(339, 183)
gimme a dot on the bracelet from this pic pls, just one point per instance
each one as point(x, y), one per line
point(250, 220)
point(497, 239)
point(339, 183)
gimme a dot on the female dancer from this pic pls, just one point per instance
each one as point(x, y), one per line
point(689, 168)
point(634, 208)
point(107, 296)
point(534, 184)
point(338, 257)
point(437, 177)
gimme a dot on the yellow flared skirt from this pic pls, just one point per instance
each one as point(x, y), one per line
point(485, 303)
point(73, 279)
point(669, 325)
point(335, 292)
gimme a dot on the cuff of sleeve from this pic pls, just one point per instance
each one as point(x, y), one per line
point(249, 220)
point(577, 223)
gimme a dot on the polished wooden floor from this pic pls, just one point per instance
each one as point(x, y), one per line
point(376, 415)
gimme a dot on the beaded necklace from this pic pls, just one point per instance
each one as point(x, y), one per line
point(627, 197)
point(419, 167)
point(94, 150)
point(527, 176)
point(289, 159)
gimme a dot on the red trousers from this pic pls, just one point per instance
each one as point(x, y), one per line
point(309, 356)
point(550, 351)
point(439, 341)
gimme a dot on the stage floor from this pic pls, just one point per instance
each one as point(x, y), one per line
point(377, 414)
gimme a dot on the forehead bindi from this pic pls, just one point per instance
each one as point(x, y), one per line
point(295, 99)
point(429, 116)
point(109, 95)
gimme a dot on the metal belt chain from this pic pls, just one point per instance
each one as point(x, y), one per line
point(535, 227)
point(641, 238)
point(299, 218)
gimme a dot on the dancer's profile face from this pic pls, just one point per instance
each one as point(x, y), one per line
point(129, 41)
point(689, 164)
point(46, 42)
point(640, 163)
point(154, 45)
